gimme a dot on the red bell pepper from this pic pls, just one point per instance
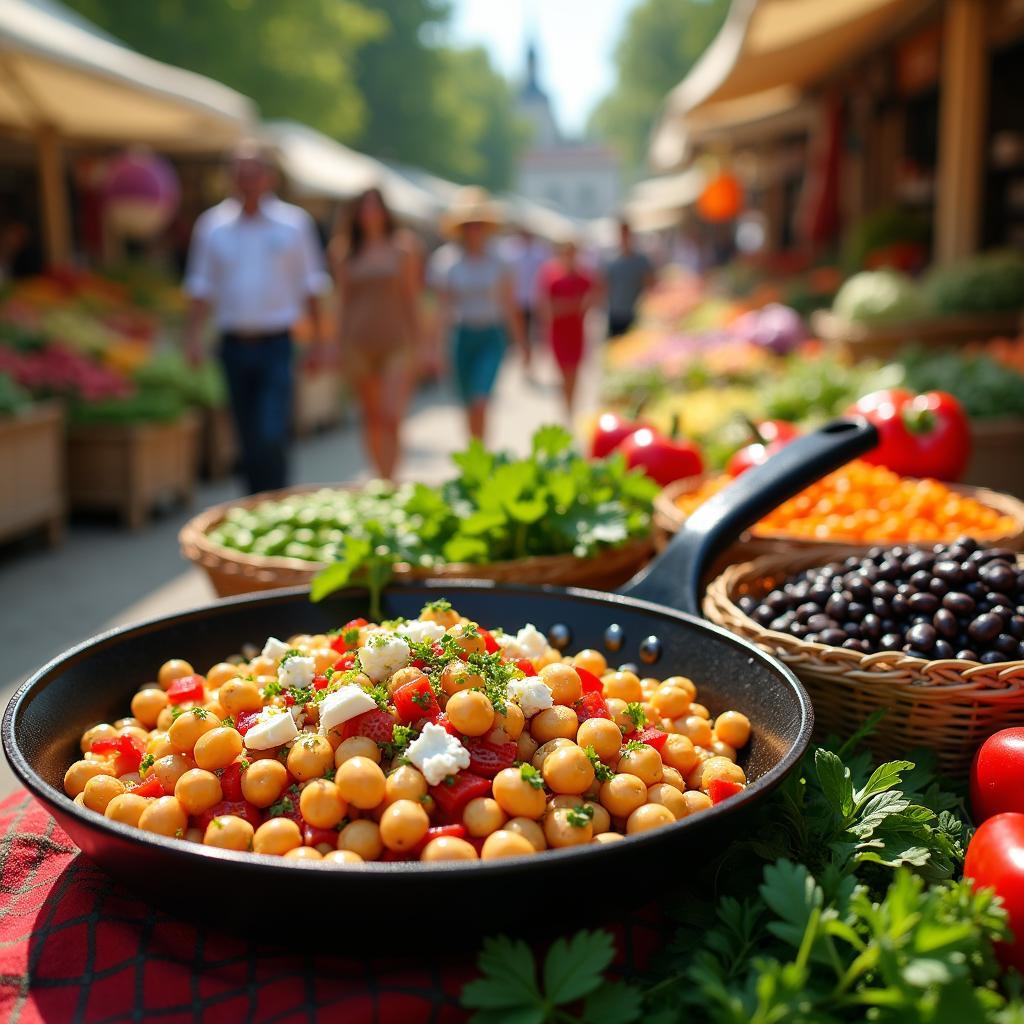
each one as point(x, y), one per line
point(487, 758)
point(315, 836)
point(925, 435)
point(452, 795)
point(231, 782)
point(128, 753)
point(490, 644)
point(612, 429)
point(321, 682)
point(996, 775)
point(722, 789)
point(436, 832)
point(652, 737)
point(188, 688)
point(148, 787)
point(377, 724)
point(591, 684)
point(238, 808)
point(526, 667)
point(346, 662)
point(415, 699)
point(591, 705)
point(995, 858)
point(245, 720)
point(770, 436)
point(663, 459)
point(338, 642)
point(443, 720)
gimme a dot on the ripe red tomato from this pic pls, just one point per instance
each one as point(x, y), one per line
point(995, 859)
point(611, 430)
point(997, 775)
point(663, 459)
point(771, 436)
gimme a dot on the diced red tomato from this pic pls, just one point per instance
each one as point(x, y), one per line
point(452, 795)
point(436, 649)
point(231, 782)
point(487, 758)
point(591, 684)
point(722, 789)
point(289, 700)
point(338, 642)
point(490, 644)
point(188, 688)
point(128, 751)
point(320, 682)
point(435, 832)
point(526, 667)
point(443, 721)
point(346, 662)
point(649, 735)
point(591, 705)
point(149, 787)
point(238, 808)
point(376, 724)
point(415, 699)
point(245, 721)
point(392, 855)
point(315, 836)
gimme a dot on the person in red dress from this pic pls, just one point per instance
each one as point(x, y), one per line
point(566, 292)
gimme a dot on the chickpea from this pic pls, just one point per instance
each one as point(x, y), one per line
point(696, 729)
point(174, 669)
point(323, 658)
point(103, 731)
point(165, 816)
point(721, 768)
point(404, 675)
point(169, 768)
point(138, 735)
point(303, 853)
point(78, 775)
point(147, 705)
point(607, 837)
point(512, 721)
point(310, 756)
point(186, 729)
point(733, 727)
point(468, 638)
point(193, 835)
point(403, 824)
point(528, 829)
point(693, 779)
point(601, 734)
point(217, 748)
point(684, 683)
point(554, 722)
point(546, 749)
point(700, 710)
point(448, 848)
point(645, 764)
point(503, 844)
point(457, 675)
point(563, 681)
point(159, 745)
point(276, 837)
point(198, 790)
point(591, 660)
point(405, 783)
point(344, 857)
point(440, 612)
point(623, 685)
point(679, 753)
point(229, 832)
point(261, 666)
point(567, 826)
point(568, 770)
point(130, 779)
point(526, 747)
point(361, 782)
point(696, 801)
point(264, 781)
point(361, 837)
point(165, 719)
point(239, 696)
point(671, 701)
point(623, 795)
point(516, 796)
point(483, 816)
point(649, 816)
point(356, 746)
point(722, 749)
point(617, 709)
point(127, 723)
point(671, 777)
point(220, 673)
point(100, 790)
point(321, 804)
point(470, 712)
point(668, 796)
point(126, 808)
point(80, 799)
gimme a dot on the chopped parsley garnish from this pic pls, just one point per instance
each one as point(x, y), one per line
point(329, 774)
point(634, 745)
point(228, 722)
point(292, 652)
point(146, 763)
point(579, 816)
point(282, 807)
point(401, 737)
point(328, 673)
point(421, 700)
point(601, 771)
point(272, 689)
point(282, 754)
point(636, 714)
point(244, 765)
point(351, 637)
point(176, 712)
point(218, 822)
point(530, 774)
point(310, 742)
point(380, 695)
point(200, 712)
point(441, 605)
point(179, 833)
point(302, 695)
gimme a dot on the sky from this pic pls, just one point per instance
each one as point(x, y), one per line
point(575, 38)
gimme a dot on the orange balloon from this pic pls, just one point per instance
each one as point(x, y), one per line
point(721, 200)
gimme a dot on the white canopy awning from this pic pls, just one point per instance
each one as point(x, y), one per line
point(657, 203)
point(60, 73)
point(539, 219)
point(767, 54)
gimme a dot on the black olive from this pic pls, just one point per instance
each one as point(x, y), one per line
point(960, 604)
point(923, 603)
point(781, 624)
point(899, 605)
point(967, 542)
point(816, 623)
point(763, 615)
point(890, 642)
point(991, 658)
point(920, 580)
point(975, 589)
point(798, 630)
point(856, 645)
point(942, 649)
point(945, 623)
point(806, 610)
point(999, 576)
point(949, 571)
point(856, 611)
point(1004, 611)
point(915, 652)
point(1006, 644)
point(832, 637)
point(859, 588)
point(922, 636)
point(747, 604)
point(970, 571)
point(836, 606)
point(777, 599)
point(875, 551)
point(985, 628)
point(918, 560)
point(871, 626)
point(938, 587)
point(883, 589)
point(1016, 626)
point(888, 570)
point(967, 654)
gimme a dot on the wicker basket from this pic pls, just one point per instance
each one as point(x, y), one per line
point(235, 572)
point(948, 706)
point(669, 517)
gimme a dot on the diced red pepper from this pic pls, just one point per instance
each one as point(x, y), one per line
point(722, 789)
point(415, 700)
point(487, 758)
point(315, 836)
point(376, 724)
point(338, 642)
point(289, 700)
point(648, 734)
point(346, 662)
point(452, 795)
point(320, 682)
point(231, 782)
point(442, 720)
point(591, 684)
point(392, 855)
point(149, 787)
point(246, 720)
point(238, 808)
point(526, 667)
point(591, 705)
point(436, 832)
point(490, 644)
point(188, 688)
point(129, 752)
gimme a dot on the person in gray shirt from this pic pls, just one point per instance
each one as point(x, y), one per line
point(626, 277)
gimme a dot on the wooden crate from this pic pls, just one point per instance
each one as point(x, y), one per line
point(129, 468)
point(32, 468)
point(317, 402)
point(997, 456)
point(218, 446)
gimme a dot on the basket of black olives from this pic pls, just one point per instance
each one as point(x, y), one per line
point(933, 636)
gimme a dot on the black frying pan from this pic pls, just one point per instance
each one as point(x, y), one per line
point(656, 626)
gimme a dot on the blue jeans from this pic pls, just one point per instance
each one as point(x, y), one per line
point(476, 358)
point(259, 377)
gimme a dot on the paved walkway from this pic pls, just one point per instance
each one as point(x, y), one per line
point(104, 575)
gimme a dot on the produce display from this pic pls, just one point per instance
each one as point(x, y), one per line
point(432, 739)
point(878, 297)
point(12, 398)
point(961, 600)
point(991, 282)
point(866, 504)
point(986, 382)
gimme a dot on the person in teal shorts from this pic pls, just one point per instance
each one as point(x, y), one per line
point(476, 288)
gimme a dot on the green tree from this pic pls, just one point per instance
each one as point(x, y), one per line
point(661, 42)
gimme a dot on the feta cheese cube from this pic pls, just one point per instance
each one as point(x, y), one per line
point(437, 753)
point(383, 655)
point(273, 727)
point(420, 631)
point(531, 694)
point(296, 672)
point(529, 642)
point(338, 707)
point(275, 649)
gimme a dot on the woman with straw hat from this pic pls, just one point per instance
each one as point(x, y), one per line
point(476, 288)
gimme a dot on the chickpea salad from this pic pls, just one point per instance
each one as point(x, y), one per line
point(429, 739)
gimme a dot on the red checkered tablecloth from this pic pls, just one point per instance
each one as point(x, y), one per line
point(77, 946)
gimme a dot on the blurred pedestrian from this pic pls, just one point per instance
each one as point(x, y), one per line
point(627, 275)
point(255, 262)
point(526, 254)
point(477, 290)
point(566, 292)
point(377, 278)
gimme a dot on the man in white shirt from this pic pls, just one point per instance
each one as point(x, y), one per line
point(526, 254)
point(255, 263)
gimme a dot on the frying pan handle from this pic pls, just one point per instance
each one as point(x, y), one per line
point(674, 577)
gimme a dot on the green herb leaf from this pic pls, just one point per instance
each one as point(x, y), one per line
point(573, 968)
point(580, 815)
point(601, 771)
point(508, 980)
point(636, 714)
point(529, 774)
